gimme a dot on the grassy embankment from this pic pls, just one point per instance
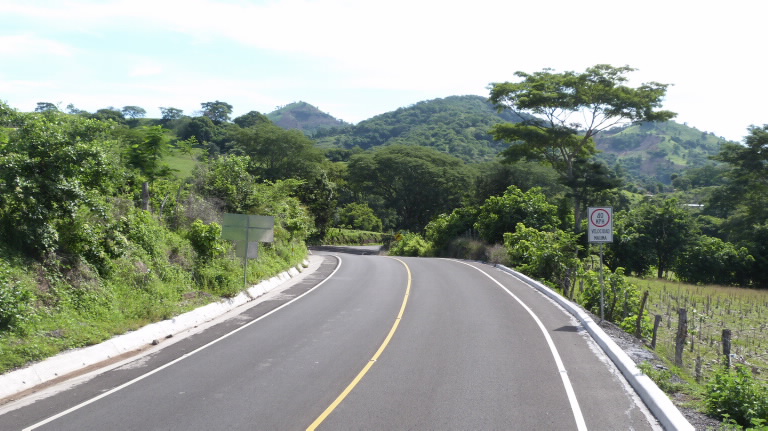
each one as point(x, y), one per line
point(45, 310)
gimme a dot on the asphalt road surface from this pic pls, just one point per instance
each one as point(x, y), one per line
point(366, 343)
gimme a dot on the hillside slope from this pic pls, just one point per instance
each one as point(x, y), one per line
point(457, 125)
point(305, 117)
point(657, 150)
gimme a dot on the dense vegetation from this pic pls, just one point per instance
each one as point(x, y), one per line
point(112, 218)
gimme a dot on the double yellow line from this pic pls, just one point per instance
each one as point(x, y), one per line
point(373, 359)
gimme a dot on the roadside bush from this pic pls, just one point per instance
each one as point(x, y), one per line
point(220, 277)
point(735, 394)
point(622, 298)
point(501, 214)
point(336, 236)
point(206, 240)
point(16, 300)
point(409, 244)
point(446, 227)
point(466, 248)
point(546, 255)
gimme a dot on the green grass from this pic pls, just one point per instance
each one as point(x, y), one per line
point(710, 309)
point(82, 311)
point(183, 164)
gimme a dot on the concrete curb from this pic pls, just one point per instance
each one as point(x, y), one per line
point(656, 400)
point(70, 361)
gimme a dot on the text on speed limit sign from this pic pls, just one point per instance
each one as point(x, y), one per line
point(600, 227)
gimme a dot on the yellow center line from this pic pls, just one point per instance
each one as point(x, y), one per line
point(370, 363)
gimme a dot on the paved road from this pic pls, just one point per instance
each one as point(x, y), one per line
point(381, 344)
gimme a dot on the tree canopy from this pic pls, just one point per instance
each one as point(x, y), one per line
point(562, 112)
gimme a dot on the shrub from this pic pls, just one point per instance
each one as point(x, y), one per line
point(409, 244)
point(220, 277)
point(16, 301)
point(736, 394)
point(547, 255)
point(622, 298)
point(501, 214)
point(205, 240)
point(446, 227)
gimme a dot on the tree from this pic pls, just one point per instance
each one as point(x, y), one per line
point(170, 114)
point(359, 216)
point(133, 112)
point(562, 112)
point(277, 153)
point(747, 178)
point(661, 231)
point(113, 114)
point(147, 155)
point(45, 107)
point(417, 182)
point(743, 200)
point(710, 260)
point(200, 128)
point(251, 119)
point(217, 111)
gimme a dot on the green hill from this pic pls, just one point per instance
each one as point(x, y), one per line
point(304, 117)
point(457, 125)
point(657, 150)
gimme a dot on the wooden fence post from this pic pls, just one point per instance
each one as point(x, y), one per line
point(682, 332)
point(656, 323)
point(639, 324)
point(727, 347)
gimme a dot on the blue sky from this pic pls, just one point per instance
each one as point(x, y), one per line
point(356, 59)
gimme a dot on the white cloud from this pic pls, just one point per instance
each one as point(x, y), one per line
point(709, 50)
point(30, 45)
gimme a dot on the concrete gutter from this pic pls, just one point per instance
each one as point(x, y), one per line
point(656, 400)
point(20, 380)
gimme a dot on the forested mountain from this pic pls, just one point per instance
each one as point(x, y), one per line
point(457, 125)
point(657, 150)
point(305, 117)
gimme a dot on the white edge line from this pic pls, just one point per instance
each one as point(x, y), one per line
point(575, 408)
point(186, 355)
point(655, 399)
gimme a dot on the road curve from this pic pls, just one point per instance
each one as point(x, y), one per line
point(443, 345)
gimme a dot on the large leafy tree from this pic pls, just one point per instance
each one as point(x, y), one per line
point(133, 112)
point(277, 153)
point(417, 182)
point(251, 119)
point(562, 112)
point(217, 111)
point(45, 106)
point(654, 233)
point(743, 200)
point(746, 193)
point(170, 113)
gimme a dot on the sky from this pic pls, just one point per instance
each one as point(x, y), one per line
point(355, 59)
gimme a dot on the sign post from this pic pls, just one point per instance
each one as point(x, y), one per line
point(600, 231)
point(247, 231)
